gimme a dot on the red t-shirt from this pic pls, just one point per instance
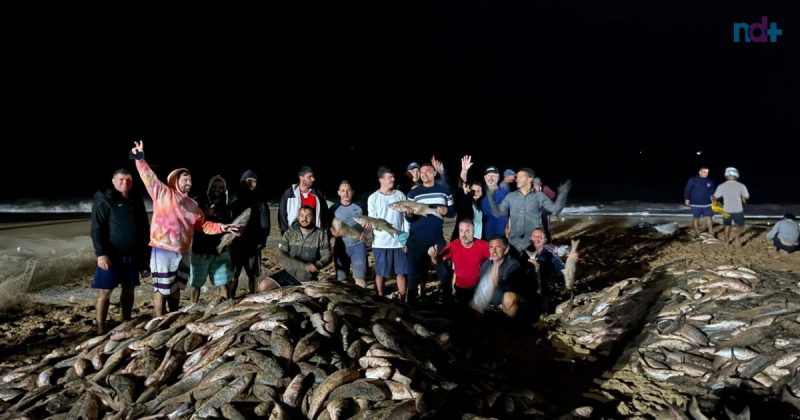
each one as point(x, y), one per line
point(308, 199)
point(466, 261)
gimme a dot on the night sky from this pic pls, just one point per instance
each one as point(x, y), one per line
point(619, 98)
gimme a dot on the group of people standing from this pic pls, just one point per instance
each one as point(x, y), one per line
point(702, 195)
point(499, 235)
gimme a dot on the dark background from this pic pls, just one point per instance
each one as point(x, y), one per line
point(619, 97)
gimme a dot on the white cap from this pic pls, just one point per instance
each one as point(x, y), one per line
point(731, 171)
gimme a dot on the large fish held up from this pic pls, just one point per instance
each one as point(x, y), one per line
point(345, 230)
point(377, 224)
point(417, 208)
point(569, 266)
point(227, 238)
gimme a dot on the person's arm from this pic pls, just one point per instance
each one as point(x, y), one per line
point(100, 235)
point(466, 163)
point(502, 209)
point(451, 209)
point(745, 194)
point(687, 193)
point(283, 212)
point(289, 263)
point(773, 232)
point(154, 187)
point(561, 199)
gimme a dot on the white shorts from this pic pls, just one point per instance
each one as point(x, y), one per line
point(170, 270)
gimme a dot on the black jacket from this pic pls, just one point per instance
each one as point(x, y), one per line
point(120, 226)
point(256, 232)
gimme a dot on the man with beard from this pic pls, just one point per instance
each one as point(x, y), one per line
point(246, 249)
point(543, 270)
point(304, 251)
point(206, 261)
point(467, 254)
point(504, 273)
point(175, 218)
point(493, 225)
point(303, 194)
point(120, 231)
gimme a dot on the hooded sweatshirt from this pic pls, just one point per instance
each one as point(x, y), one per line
point(207, 244)
point(256, 231)
point(175, 214)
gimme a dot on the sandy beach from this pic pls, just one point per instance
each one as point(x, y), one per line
point(55, 307)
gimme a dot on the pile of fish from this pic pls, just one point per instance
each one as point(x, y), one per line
point(591, 323)
point(720, 329)
point(324, 351)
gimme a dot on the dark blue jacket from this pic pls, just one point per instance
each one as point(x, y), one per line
point(699, 191)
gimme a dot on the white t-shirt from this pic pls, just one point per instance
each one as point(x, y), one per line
point(378, 207)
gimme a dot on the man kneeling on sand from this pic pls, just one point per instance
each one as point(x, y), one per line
point(304, 251)
point(785, 235)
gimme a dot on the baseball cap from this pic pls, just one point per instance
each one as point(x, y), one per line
point(509, 172)
point(537, 180)
point(412, 165)
point(731, 171)
point(491, 170)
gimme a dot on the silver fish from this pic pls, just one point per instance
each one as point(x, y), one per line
point(227, 238)
point(569, 266)
point(345, 230)
point(377, 224)
point(417, 208)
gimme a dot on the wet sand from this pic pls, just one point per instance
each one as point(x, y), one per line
point(612, 249)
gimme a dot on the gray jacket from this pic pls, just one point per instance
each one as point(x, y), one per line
point(525, 213)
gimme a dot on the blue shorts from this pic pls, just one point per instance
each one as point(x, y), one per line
point(124, 272)
point(216, 267)
point(390, 261)
point(698, 212)
point(736, 218)
point(347, 256)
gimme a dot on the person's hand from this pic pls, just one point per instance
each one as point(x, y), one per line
point(537, 187)
point(442, 210)
point(437, 164)
point(687, 202)
point(103, 262)
point(433, 250)
point(234, 229)
point(409, 213)
point(138, 146)
point(311, 268)
point(466, 163)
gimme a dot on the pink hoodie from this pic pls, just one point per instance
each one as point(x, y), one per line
point(175, 214)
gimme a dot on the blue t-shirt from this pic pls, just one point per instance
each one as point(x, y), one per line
point(494, 226)
point(347, 215)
